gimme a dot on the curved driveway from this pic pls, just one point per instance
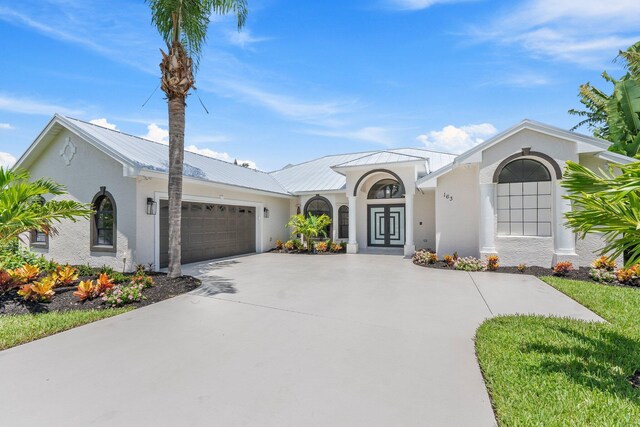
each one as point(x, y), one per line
point(280, 340)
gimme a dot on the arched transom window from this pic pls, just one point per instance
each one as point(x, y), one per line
point(103, 226)
point(524, 199)
point(386, 189)
point(319, 206)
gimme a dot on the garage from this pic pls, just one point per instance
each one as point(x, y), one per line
point(210, 231)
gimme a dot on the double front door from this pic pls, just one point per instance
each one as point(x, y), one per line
point(386, 225)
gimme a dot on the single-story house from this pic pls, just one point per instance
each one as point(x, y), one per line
point(501, 197)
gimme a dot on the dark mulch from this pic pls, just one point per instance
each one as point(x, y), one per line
point(63, 300)
point(294, 252)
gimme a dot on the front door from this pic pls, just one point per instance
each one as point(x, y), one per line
point(386, 225)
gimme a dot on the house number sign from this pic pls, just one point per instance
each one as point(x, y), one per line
point(448, 196)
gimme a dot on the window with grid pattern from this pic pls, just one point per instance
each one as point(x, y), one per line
point(524, 199)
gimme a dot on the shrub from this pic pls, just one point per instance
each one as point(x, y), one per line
point(604, 263)
point(105, 269)
point(279, 245)
point(602, 275)
point(289, 245)
point(141, 268)
point(336, 247)
point(469, 264)
point(298, 244)
point(422, 257)
point(25, 274)
point(492, 263)
point(448, 259)
point(629, 276)
point(87, 289)
point(562, 268)
point(309, 226)
point(142, 279)
point(123, 294)
point(432, 257)
point(85, 270)
point(455, 256)
point(41, 290)
point(65, 276)
point(521, 268)
point(117, 277)
point(103, 283)
point(322, 246)
point(6, 281)
point(13, 255)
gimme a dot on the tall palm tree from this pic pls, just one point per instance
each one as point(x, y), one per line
point(183, 25)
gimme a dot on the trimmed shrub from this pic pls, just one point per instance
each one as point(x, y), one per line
point(470, 264)
point(602, 275)
point(521, 268)
point(562, 268)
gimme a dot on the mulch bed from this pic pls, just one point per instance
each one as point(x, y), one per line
point(294, 252)
point(578, 274)
point(63, 300)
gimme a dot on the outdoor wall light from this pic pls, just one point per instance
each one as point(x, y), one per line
point(151, 206)
point(266, 212)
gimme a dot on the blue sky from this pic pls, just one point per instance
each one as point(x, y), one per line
point(306, 79)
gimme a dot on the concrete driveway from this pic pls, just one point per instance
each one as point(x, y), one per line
point(280, 340)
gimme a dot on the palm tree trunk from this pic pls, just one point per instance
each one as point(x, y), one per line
point(176, 160)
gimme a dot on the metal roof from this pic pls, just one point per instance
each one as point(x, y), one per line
point(153, 156)
point(380, 157)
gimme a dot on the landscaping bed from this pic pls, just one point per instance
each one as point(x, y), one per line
point(581, 273)
point(64, 299)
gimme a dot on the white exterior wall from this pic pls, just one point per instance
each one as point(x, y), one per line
point(268, 229)
point(424, 219)
point(457, 219)
point(88, 170)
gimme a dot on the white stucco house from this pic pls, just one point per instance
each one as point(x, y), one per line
point(501, 197)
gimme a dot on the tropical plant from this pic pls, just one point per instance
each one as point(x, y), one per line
point(183, 25)
point(23, 209)
point(289, 245)
point(606, 202)
point(310, 226)
point(103, 283)
point(322, 246)
point(279, 245)
point(629, 276)
point(615, 117)
point(142, 279)
point(85, 270)
point(493, 263)
point(6, 281)
point(25, 274)
point(604, 263)
point(448, 259)
point(521, 268)
point(64, 276)
point(603, 275)
point(562, 268)
point(86, 290)
point(336, 247)
point(41, 290)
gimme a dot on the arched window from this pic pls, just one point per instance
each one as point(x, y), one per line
point(524, 199)
point(385, 189)
point(103, 224)
point(317, 206)
point(38, 238)
point(343, 222)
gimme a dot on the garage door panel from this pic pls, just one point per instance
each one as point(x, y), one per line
point(210, 231)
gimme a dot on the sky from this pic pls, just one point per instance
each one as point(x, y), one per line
point(304, 79)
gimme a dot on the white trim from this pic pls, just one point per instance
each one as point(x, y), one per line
point(202, 199)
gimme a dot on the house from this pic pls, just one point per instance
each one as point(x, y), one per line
point(501, 197)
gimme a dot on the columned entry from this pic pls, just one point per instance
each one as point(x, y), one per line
point(386, 225)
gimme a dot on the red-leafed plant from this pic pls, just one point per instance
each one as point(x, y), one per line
point(562, 268)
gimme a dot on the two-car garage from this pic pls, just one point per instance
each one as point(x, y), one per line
point(210, 231)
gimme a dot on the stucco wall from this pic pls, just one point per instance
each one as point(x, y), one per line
point(271, 229)
point(424, 220)
point(457, 216)
point(88, 170)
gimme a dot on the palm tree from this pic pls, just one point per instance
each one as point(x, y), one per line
point(183, 25)
point(310, 227)
point(22, 208)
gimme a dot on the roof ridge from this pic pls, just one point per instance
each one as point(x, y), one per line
point(165, 145)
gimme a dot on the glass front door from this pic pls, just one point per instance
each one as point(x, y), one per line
point(386, 225)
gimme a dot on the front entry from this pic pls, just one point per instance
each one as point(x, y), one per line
point(386, 225)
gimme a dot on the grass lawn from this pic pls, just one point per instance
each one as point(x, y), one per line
point(561, 372)
point(22, 328)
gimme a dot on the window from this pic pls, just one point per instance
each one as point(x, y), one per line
point(343, 222)
point(38, 238)
point(524, 199)
point(385, 189)
point(103, 224)
point(317, 206)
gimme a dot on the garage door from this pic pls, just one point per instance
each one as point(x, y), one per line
point(210, 231)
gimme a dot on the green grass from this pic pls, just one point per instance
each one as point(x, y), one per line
point(20, 329)
point(561, 372)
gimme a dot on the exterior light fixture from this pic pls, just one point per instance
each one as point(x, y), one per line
point(266, 212)
point(151, 206)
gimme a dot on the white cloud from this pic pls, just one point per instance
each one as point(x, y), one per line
point(419, 4)
point(6, 159)
point(218, 155)
point(103, 123)
point(584, 32)
point(157, 134)
point(244, 38)
point(457, 140)
point(31, 106)
point(6, 126)
point(374, 134)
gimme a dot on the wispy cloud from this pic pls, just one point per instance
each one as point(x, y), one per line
point(418, 4)
point(584, 32)
point(521, 79)
point(378, 135)
point(244, 38)
point(6, 126)
point(454, 139)
point(32, 106)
